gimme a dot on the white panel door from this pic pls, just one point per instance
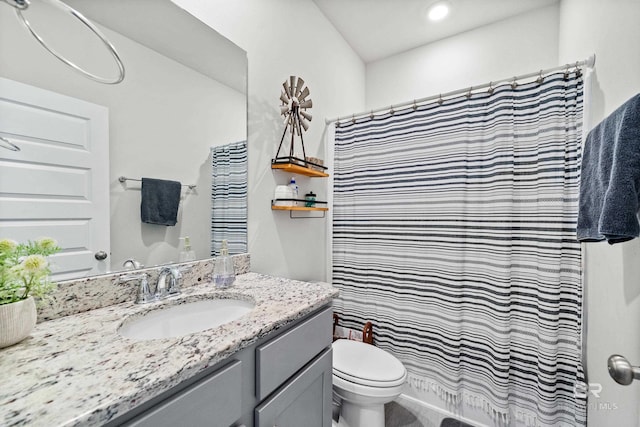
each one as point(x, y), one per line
point(57, 185)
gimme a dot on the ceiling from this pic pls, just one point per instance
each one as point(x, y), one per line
point(376, 29)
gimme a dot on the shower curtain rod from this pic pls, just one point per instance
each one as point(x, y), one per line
point(588, 63)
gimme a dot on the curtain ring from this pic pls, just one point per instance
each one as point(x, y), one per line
point(391, 110)
point(415, 106)
point(566, 72)
point(371, 115)
point(514, 83)
point(8, 144)
point(578, 69)
point(491, 88)
point(468, 95)
point(440, 100)
point(353, 119)
point(540, 79)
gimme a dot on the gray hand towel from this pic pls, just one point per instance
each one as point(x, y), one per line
point(160, 200)
point(610, 178)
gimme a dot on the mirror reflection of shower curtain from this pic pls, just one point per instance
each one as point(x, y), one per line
point(454, 232)
point(229, 197)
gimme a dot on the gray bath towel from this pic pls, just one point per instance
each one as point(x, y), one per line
point(610, 179)
point(160, 200)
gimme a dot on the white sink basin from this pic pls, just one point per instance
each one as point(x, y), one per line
point(183, 319)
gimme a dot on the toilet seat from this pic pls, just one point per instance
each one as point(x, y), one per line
point(363, 364)
point(369, 383)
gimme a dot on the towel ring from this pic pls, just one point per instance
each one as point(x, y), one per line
point(20, 5)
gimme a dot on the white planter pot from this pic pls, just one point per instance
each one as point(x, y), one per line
point(17, 321)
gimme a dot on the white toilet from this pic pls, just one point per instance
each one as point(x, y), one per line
point(365, 378)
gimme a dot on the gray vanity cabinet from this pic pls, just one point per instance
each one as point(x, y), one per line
point(283, 379)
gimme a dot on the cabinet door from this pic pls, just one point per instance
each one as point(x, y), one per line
point(280, 358)
point(212, 402)
point(305, 400)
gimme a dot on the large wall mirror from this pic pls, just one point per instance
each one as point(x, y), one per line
point(184, 93)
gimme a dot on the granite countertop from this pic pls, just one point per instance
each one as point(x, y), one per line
point(77, 370)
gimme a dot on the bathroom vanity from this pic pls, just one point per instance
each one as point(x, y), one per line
point(284, 379)
point(269, 367)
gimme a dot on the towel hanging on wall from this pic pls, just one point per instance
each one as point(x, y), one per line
point(610, 180)
point(159, 201)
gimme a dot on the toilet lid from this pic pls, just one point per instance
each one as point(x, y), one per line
point(364, 363)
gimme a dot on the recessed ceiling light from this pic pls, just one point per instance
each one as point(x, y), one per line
point(438, 11)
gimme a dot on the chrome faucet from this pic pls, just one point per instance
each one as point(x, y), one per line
point(168, 283)
point(144, 294)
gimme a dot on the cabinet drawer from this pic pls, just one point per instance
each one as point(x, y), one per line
point(305, 400)
point(283, 356)
point(213, 401)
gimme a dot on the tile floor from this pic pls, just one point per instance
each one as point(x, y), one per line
point(407, 413)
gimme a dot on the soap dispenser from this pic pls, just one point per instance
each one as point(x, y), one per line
point(223, 271)
point(187, 254)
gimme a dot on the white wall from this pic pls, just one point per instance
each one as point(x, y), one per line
point(612, 273)
point(149, 133)
point(282, 38)
point(514, 46)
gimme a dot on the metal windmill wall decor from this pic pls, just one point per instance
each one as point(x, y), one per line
point(295, 106)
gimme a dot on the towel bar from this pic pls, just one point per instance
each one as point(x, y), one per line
point(124, 178)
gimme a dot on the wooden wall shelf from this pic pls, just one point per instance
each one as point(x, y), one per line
point(300, 170)
point(296, 208)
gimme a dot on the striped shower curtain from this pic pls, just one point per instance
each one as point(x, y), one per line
point(454, 232)
point(229, 197)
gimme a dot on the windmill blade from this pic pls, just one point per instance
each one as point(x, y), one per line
point(306, 115)
point(306, 104)
point(287, 89)
point(304, 94)
point(284, 110)
point(299, 86)
point(304, 124)
point(284, 98)
point(292, 84)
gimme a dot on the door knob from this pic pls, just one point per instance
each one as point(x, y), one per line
point(100, 255)
point(621, 370)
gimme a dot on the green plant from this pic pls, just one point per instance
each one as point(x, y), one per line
point(24, 269)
